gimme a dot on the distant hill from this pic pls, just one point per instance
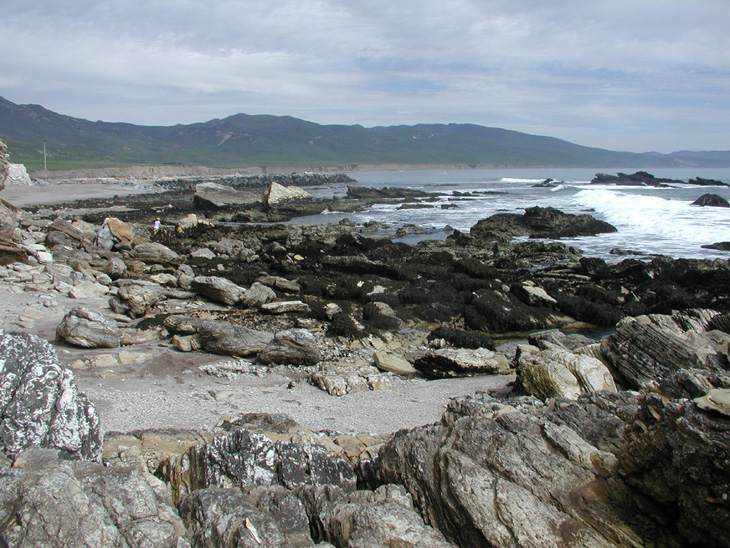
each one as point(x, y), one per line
point(243, 140)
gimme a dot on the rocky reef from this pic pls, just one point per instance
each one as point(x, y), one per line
point(614, 431)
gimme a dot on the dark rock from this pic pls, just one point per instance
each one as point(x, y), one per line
point(39, 402)
point(711, 200)
point(699, 181)
point(88, 329)
point(640, 178)
point(461, 338)
point(389, 192)
point(721, 246)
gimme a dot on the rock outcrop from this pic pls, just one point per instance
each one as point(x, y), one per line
point(711, 200)
point(40, 405)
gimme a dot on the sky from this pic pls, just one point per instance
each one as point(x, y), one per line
point(634, 75)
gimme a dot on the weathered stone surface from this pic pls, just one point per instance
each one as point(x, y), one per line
point(384, 518)
point(64, 226)
point(257, 295)
point(338, 380)
point(284, 307)
point(249, 458)
point(88, 329)
point(17, 175)
point(136, 297)
point(121, 231)
point(220, 337)
point(388, 362)
point(85, 290)
point(115, 268)
point(154, 252)
point(650, 348)
point(39, 403)
point(279, 194)
point(215, 196)
point(202, 253)
point(462, 362)
point(554, 371)
point(291, 347)
point(47, 501)
point(381, 315)
point(218, 289)
point(250, 517)
point(190, 220)
point(282, 284)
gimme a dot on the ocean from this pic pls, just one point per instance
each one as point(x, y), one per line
point(650, 221)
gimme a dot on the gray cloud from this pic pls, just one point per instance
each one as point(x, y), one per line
point(631, 75)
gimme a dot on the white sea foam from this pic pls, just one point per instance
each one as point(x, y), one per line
point(517, 180)
point(651, 217)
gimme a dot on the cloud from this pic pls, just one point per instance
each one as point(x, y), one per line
point(634, 75)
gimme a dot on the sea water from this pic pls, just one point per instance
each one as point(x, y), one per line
point(650, 221)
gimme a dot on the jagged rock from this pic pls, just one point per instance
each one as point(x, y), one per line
point(461, 362)
point(39, 403)
point(384, 518)
point(88, 329)
point(185, 276)
point(136, 297)
point(554, 371)
point(257, 295)
point(365, 193)
point(388, 362)
point(284, 307)
point(249, 458)
point(513, 479)
point(649, 348)
point(121, 231)
point(675, 457)
point(48, 501)
point(253, 516)
point(154, 252)
point(218, 289)
point(640, 178)
point(220, 337)
point(17, 175)
point(338, 380)
point(278, 194)
point(66, 227)
point(291, 347)
point(711, 200)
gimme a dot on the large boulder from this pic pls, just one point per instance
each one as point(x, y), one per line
point(88, 329)
point(218, 289)
point(220, 337)
point(40, 405)
point(50, 501)
point(136, 297)
point(154, 252)
point(278, 194)
point(711, 200)
point(554, 371)
point(462, 362)
point(291, 347)
point(212, 196)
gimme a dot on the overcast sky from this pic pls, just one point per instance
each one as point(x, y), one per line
point(634, 75)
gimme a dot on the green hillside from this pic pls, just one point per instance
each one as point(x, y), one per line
point(243, 140)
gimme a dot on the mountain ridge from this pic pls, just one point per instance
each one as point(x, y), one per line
point(245, 140)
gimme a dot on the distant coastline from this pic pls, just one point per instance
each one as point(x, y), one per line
point(156, 172)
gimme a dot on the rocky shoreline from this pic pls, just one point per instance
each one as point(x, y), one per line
point(591, 399)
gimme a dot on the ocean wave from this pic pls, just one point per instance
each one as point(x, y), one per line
point(650, 217)
point(516, 180)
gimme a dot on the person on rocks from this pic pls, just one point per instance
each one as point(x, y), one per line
point(156, 226)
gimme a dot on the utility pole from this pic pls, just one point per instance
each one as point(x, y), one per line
point(45, 166)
